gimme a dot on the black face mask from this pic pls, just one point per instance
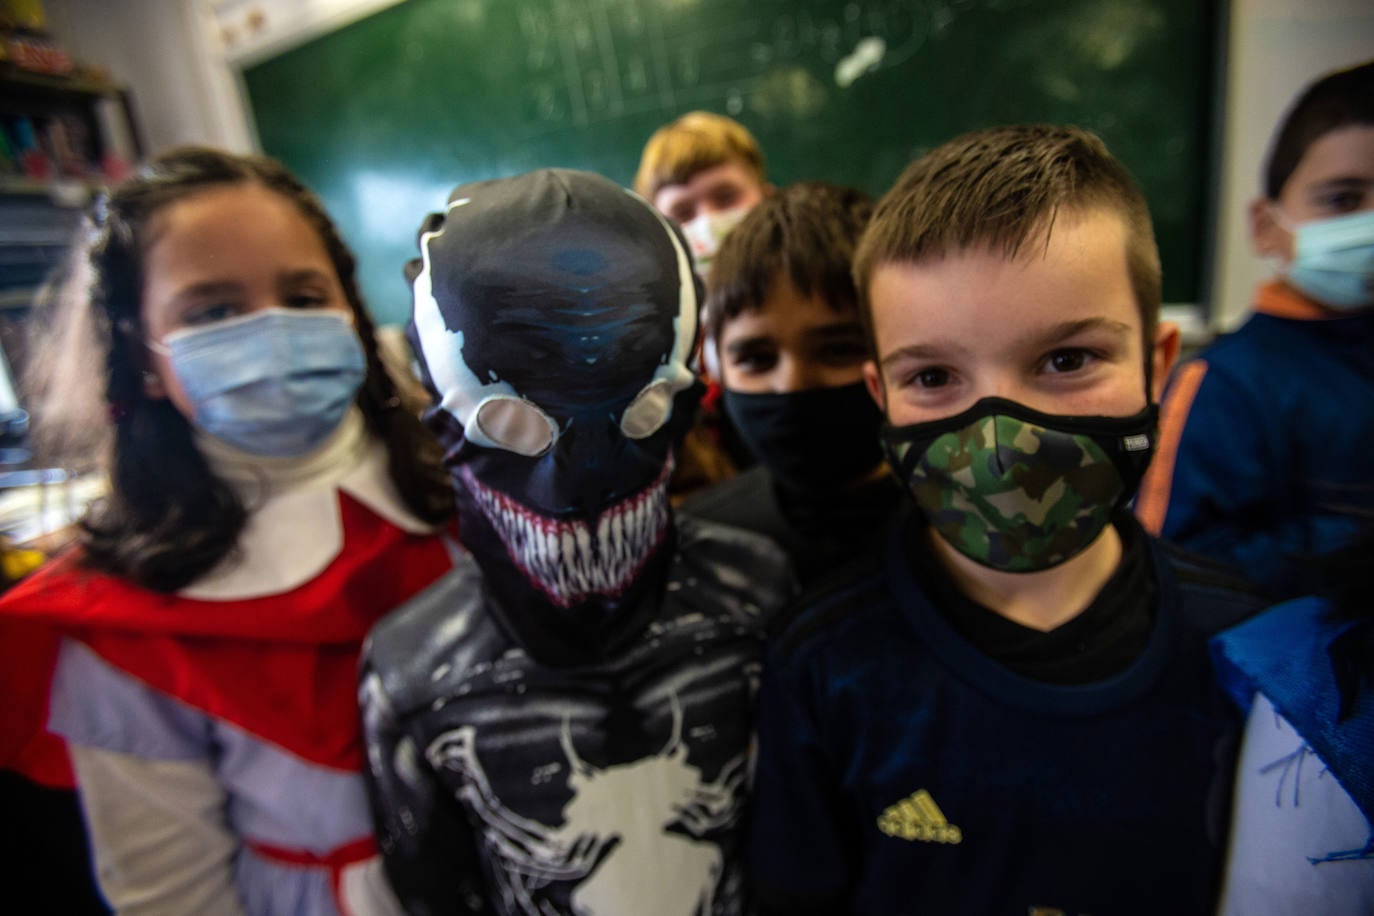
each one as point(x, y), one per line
point(818, 439)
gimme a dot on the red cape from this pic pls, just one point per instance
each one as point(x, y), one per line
point(282, 667)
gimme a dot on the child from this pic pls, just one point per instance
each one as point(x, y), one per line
point(704, 171)
point(269, 500)
point(563, 724)
point(1009, 709)
point(1266, 455)
point(785, 319)
point(1302, 830)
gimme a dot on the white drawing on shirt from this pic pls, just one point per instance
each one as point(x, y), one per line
point(616, 842)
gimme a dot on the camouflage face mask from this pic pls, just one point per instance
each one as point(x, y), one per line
point(1017, 490)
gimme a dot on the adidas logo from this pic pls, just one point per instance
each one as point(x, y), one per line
point(918, 818)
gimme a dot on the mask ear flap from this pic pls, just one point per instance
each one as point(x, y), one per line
point(1269, 239)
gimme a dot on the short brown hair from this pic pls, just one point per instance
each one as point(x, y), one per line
point(806, 232)
point(1341, 99)
point(695, 142)
point(1000, 188)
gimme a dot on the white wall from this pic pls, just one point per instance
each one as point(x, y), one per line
point(1277, 47)
point(154, 48)
point(184, 93)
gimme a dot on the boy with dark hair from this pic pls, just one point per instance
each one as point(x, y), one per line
point(784, 316)
point(1009, 708)
point(1266, 456)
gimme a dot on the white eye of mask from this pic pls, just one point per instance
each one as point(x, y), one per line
point(650, 409)
point(513, 424)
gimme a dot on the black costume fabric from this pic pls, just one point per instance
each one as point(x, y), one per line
point(822, 531)
point(562, 725)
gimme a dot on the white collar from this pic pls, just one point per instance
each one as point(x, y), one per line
point(294, 529)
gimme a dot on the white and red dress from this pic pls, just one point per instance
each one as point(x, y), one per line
point(213, 733)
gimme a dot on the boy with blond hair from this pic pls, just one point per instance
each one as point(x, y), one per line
point(1009, 708)
point(704, 171)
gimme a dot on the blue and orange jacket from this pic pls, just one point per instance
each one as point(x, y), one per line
point(1266, 456)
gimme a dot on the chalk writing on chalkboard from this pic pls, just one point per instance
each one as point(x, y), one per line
point(383, 115)
point(594, 60)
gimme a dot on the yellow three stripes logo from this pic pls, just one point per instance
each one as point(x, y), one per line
point(918, 818)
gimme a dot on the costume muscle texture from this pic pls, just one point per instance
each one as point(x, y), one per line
point(614, 789)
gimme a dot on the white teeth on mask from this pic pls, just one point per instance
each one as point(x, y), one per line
point(569, 561)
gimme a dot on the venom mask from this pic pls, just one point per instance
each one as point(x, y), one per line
point(555, 314)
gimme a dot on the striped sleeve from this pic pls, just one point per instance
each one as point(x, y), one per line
point(1152, 504)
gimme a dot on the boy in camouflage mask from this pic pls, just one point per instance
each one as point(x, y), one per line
point(1010, 710)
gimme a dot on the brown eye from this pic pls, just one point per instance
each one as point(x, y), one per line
point(210, 314)
point(932, 378)
point(754, 360)
point(307, 300)
point(726, 197)
point(1067, 360)
point(1346, 201)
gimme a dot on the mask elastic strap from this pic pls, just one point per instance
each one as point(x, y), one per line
point(1284, 221)
point(1278, 262)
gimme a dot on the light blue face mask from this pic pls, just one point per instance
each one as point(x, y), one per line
point(1333, 260)
point(275, 382)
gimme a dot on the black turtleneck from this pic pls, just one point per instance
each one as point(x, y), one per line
point(1101, 641)
point(820, 530)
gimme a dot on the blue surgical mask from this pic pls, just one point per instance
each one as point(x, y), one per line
point(275, 382)
point(1333, 260)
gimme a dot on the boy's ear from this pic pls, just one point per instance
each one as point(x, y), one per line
point(1168, 340)
point(874, 380)
point(1267, 237)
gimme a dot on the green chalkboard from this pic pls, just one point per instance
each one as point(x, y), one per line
point(384, 116)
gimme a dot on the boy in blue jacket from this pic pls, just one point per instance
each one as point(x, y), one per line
point(1266, 457)
point(1009, 710)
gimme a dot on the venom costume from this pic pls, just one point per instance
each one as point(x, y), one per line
point(562, 724)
